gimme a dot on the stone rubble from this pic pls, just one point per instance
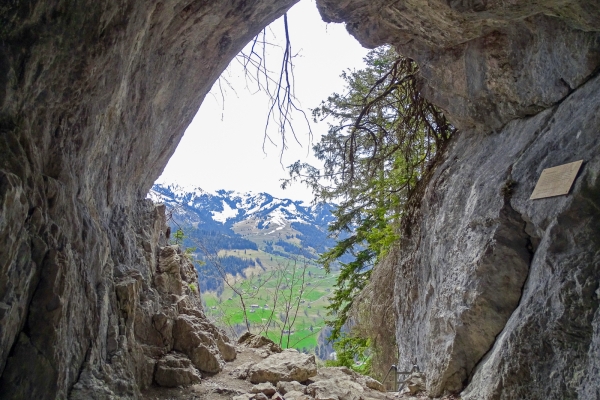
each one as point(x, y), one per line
point(415, 383)
point(266, 388)
point(175, 370)
point(335, 383)
point(236, 382)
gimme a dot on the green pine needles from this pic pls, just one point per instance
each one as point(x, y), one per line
point(383, 139)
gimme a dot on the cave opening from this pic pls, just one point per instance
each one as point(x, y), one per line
point(231, 144)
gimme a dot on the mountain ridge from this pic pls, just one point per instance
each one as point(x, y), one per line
point(245, 214)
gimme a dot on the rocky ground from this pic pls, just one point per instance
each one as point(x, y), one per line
point(263, 371)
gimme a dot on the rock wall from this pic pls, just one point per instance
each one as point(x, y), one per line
point(485, 62)
point(496, 294)
point(152, 327)
point(94, 97)
point(498, 291)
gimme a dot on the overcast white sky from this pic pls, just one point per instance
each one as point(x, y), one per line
point(223, 146)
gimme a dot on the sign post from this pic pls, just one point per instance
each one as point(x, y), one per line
point(556, 181)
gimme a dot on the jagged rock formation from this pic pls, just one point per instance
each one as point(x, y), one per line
point(494, 292)
point(156, 332)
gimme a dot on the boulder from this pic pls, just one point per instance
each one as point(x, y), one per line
point(265, 387)
point(256, 342)
point(335, 389)
point(198, 344)
point(415, 383)
point(244, 396)
point(227, 350)
point(334, 372)
point(345, 384)
point(285, 366)
point(372, 383)
point(295, 395)
point(241, 372)
point(175, 370)
point(284, 387)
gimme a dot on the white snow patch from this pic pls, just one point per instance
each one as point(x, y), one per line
point(158, 197)
point(275, 230)
point(224, 215)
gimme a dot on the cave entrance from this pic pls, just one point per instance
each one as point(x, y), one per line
point(225, 146)
point(232, 145)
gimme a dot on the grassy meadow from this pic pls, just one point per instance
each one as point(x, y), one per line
point(285, 300)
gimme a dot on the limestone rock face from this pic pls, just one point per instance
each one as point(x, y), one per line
point(153, 322)
point(485, 62)
point(495, 292)
point(498, 290)
point(191, 339)
point(140, 325)
point(288, 365)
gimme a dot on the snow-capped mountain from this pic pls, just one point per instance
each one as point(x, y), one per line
point(254, 220)
point(230, 209)
point(245, 230)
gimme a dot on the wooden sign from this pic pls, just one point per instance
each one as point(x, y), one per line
point(556, 181)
